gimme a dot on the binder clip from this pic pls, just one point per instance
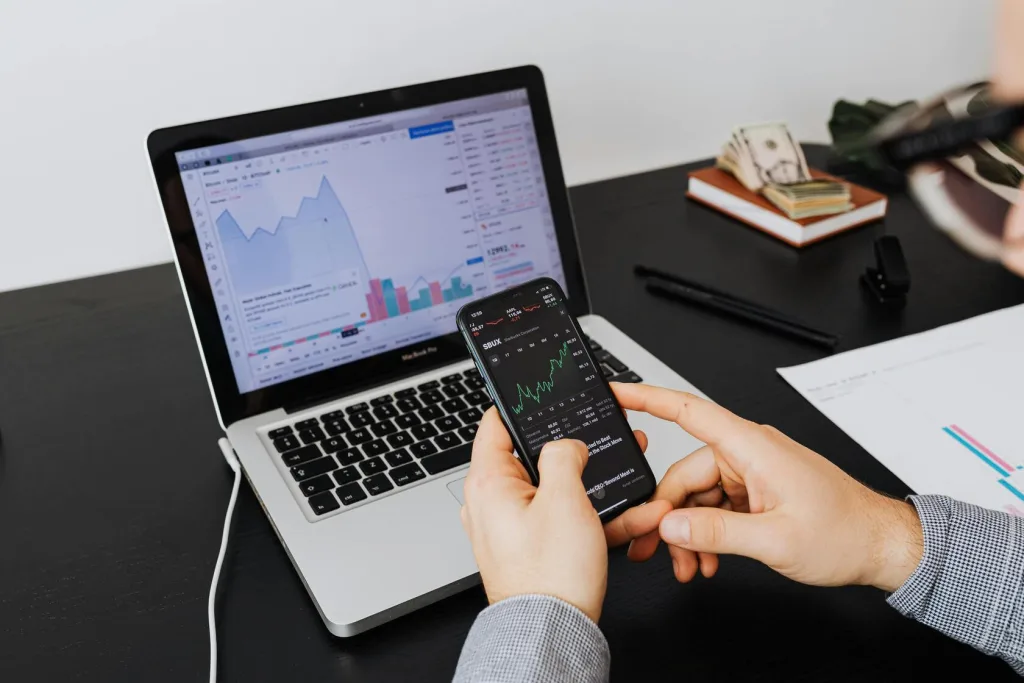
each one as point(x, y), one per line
point(889, 281)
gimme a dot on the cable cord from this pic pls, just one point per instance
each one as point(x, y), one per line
point(229, 455)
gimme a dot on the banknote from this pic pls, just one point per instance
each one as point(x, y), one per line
point(772, 152)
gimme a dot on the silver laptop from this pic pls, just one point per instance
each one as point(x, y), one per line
point(324, 250)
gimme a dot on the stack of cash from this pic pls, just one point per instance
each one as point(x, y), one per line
point(766, 159)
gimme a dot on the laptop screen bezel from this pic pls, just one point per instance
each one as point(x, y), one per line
point(385, 367)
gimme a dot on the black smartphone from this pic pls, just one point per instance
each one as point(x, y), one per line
point(546, 384)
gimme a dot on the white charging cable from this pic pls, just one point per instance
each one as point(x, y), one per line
point(229, 455)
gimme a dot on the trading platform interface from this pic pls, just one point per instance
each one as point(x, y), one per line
point(328, 245)
point(538, 364)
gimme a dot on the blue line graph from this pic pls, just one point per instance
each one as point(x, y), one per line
point(448, 277)
point(318, 239)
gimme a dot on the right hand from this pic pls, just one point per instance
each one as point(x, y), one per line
point(755, 492)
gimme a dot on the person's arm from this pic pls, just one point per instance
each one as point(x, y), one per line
point(535, 638)
point(543, 560)
point(970, 582)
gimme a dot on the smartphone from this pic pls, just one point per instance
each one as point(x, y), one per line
point(547, 385)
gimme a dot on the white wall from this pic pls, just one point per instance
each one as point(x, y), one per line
point(635, 84)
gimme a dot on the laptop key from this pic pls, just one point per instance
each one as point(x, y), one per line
point(306, 424)
point(611, 361)
point(447, 423)
point(454, 390)
point(350, 493)
point(451, 379)
point(286, 443)
point(400, 439)
point(312, 435)
point(335, 427)
point(475, 398)
point(279, 432)
point(378, 484)
point(594, 345)
point(381, 400)
point(630, 376)
point(313, 468)
point(471, 416)
point(347, 475)
point(385, 411)
point(357, 408)
point(332, 416)
point(301, 455)
point(333, 444)
point(361, 420)
point(447, 440)
point(349, 456)
point(427, 386)
point(431, 413)
point(399, 457)
point(323, 503)
point(423, 449)
point(431, 397)
point(607, 371)
point(372, 466)
point(468, 433)
point(406, 421)
point(359, 436)
point(453, 405)
point(446, 460)
point(317, 485)
point(471, 373)
point(375, 447)
point(424, 431)
point(474, 383)
point(405, 393)
point(408, 404)
point(406, 474)
point(383, 428)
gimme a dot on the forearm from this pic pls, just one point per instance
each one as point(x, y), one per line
point(970, 582)
point(533, 638)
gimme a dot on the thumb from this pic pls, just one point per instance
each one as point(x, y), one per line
point(713, 530)
point(561, 467)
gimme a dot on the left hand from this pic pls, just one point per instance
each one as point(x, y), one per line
point(544, 540)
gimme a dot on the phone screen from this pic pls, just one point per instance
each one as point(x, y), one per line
point(547, 385)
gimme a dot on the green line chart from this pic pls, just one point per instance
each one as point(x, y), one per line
point(543, 386)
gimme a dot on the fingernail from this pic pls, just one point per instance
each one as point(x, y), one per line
point(676, 530)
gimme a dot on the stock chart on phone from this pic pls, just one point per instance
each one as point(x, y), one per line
point(539, 365)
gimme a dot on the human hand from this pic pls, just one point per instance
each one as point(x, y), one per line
point(538, 540)
point(1008, 86)
point(755, 492)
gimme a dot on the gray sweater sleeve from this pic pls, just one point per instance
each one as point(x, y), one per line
point(970, 582)
point(533, 638)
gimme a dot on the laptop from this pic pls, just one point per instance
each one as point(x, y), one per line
point(324, 250)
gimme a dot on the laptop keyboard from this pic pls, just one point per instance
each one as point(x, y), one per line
point(363, 451)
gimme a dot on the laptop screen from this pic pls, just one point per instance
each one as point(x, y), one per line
point(328, 245)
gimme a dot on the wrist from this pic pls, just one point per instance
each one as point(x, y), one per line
point(898, 544)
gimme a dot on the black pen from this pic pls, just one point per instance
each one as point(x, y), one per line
point(752, 313)
point(647, 271)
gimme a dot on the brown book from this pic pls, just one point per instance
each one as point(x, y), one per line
point(720, 190)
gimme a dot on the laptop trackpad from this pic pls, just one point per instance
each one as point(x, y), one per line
point(456, 489)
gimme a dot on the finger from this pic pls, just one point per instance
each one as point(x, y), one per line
point(636, 522)
point(696, 473)
point(643, 548)
point(684, 563)
point(718, 531)
point(705, 499)
point(641, 438)
point(705, 420)
point(492, 450)
point(560, 467)
point(708, 564)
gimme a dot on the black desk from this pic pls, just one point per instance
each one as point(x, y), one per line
point(112, 489)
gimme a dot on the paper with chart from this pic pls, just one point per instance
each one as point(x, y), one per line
point(943, 410)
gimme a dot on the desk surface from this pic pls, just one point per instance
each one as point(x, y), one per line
point(112, 494)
